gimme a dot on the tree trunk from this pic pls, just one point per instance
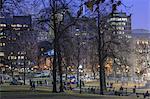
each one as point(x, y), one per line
point(24, 73)
point(56, 39)
point(54, 68)
point(101, 57)
point(66, 67)
point(60, 69)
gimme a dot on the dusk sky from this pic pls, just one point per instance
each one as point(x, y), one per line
point(140, 11)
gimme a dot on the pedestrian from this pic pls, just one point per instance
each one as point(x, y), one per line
point(70, 86)
point(83, 83)
point(88, 89)
point(45, 82)
point(91, 89)
point(111, 85)
point(146, 94)
point(1, 82)
point(121, 90)
point(107, 84)
point(33, 85)
point(30, 84)
point(113, 89)
point(65, 86)
point(37, 82)
point(134, 89)
point(40, 83)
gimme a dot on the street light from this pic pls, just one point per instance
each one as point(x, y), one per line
point(78, 55)
point(80, 71)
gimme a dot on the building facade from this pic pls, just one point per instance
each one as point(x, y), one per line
point(121, 23)
point(14, 32)
point(141, 53)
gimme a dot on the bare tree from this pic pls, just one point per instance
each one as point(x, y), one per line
point(28, 46)
point(56, 21)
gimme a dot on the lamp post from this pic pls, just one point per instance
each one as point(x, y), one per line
point(78, 55)
point(11, 63)
point(80, 71)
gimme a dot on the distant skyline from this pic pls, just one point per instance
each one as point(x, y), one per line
point(140, 11)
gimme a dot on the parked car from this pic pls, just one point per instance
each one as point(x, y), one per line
point(5, 78)
point(42, 74)
point(16, 82)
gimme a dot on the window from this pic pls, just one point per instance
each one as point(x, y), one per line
point(2, 44)
point(2, 25)
point(22, 57)
point(138, 42)
point(25, 25)
point(124, 19)
point(19, 57)
point(1, 53)
point(19, 25)
point(13, 25)
point(16, 28)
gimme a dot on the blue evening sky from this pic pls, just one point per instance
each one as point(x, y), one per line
point(140, 13)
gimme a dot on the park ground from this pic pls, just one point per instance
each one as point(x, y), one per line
point(24, 92)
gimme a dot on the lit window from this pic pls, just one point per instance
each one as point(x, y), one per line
point(120, 28)
point(19, 25)
point(143, 42)
point(146, 42)
point(22, 57)
point(124, 19)
point(42, 49)
point(2, 25)
point(18, 57)
point(1, 53)
point(15, 57)
point(4, 44)
point(16, 28)
point(13, 25)
point(25, 25)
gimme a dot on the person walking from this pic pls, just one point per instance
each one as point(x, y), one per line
point(121, 90)
point(30, 81)
point(146, 94)
point(33, 85)
point(134, 89)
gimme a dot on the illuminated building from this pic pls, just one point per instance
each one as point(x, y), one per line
point(122, 22)
point(11, 29)
point(141, 54)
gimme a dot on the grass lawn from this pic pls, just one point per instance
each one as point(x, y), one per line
point(129, 86)
point(20, 88)
point(19, 92)
point(116, 85)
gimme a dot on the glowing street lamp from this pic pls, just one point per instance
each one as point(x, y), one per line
point(80, 71)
